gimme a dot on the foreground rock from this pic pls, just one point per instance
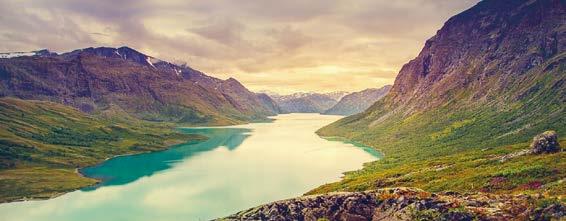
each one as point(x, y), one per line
point(405, 204)
point(546, 142)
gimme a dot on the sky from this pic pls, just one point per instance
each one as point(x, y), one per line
point(281, 46)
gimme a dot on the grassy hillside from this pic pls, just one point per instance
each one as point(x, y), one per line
point(43, 143)
point(458, 145)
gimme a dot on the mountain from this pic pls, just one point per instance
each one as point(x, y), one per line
point(357, 102)
point(491, 79)
point(336, 95)
point(307, 102)
point(96, 79)
point(268, 102)
point(43, 52)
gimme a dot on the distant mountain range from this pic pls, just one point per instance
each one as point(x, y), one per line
point(306, 102)
point(122, 80)
point(332, 103)
point(357, 102)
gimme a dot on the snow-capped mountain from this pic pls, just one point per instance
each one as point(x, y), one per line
point(43, 52)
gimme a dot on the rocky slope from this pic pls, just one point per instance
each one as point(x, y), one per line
point(405, 204)
point(357, 102)
point(97, 79)
point(307, 102)
point(493, 75)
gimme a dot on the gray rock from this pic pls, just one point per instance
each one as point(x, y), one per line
point(546, 142)
point(402, 203)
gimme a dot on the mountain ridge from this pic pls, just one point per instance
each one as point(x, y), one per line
point(307, 102)
point(148, 88)
point(358, 102)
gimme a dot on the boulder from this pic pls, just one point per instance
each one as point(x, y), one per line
point(546, 142)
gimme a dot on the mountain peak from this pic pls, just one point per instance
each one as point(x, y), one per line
point(124, 52)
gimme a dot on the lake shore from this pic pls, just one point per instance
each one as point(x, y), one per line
point(77, 174)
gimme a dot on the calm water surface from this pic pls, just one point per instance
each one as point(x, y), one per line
point(237, 168)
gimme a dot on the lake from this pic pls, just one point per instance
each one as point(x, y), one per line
point(237, 168)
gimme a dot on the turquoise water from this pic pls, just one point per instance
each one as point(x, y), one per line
point(237, 168)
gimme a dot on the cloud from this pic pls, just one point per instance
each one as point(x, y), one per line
point(266, 44)
point(223, 31)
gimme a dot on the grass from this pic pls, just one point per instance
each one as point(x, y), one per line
point(467, 171)
point(43, 143)
point(39, 182)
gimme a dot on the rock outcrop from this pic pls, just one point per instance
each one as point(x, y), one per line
point(546, 142)
point(404, 204)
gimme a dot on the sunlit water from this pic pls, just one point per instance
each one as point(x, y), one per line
point(237, 168)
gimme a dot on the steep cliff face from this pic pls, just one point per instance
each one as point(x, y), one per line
point(357, 102)
point(483, 52)
point(94, 79)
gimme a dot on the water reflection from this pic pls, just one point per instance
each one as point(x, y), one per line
point(126, 169)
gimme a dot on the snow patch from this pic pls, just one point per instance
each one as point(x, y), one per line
point(148, 60)
point(16, 54)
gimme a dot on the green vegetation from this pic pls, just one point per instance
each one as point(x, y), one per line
point(43, 143)
point(457, 146)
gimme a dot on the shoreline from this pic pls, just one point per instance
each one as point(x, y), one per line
point(168, 145)
point(355, 143)
point(79, 173)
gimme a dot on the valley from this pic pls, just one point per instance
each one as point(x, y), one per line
point(472, 127)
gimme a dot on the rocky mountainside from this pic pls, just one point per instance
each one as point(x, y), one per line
point(404, 204)
point(497, 50)
point(358, 102)
point(99, 80)
point(494, 74)
point(307, 102)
